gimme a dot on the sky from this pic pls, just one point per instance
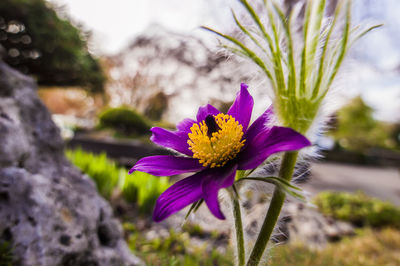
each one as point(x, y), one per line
point(375, 73)
point(114, 23)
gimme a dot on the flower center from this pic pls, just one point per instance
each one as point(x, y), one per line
point(216, 140)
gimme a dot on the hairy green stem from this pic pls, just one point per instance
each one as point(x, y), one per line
point(237, 216)
point(278, 198)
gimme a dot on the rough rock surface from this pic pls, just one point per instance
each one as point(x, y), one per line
point(49, 212)
point(306, 225)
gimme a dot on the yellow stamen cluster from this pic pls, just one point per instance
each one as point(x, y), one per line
point(221, 147)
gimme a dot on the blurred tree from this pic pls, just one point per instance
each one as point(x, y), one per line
point(357, 129)
point(396, 134)
point(156, 106)
point(39, 43)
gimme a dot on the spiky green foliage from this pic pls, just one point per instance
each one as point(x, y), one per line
point(144, 189)
point(139, 188)
point(103, 172)
point(300, 64)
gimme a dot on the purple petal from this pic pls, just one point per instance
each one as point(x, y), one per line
point(268, 142)
point(242, 107)
point(206, 110)
point(178, 196)
point(185, 125)
point(176, 140)
point(216, 179)
point(166, 165)
point(259, 125)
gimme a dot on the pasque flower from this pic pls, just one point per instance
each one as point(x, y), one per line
point(214, 147)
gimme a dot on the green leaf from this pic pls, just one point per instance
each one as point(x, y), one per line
point(198, 205)
point(280, 183)
point(257, 20)
point(275, 51)
point(303, 68)
point(277, 55)
point(250, 54)
point(316, 23)
point(344, 46)
point(245, 31)
point(194, 207)
point(290, 61)
point(324, 50)
point(360, 35)
point(235, 191)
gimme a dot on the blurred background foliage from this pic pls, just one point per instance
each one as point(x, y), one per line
point(138, 188)
point(125, 121)
point(143, 189)
point(355, 128)
point(367, 248)
point(156, 106)
point(38, 42)
point(358, 209)
point(104, 173)
point(176, 248)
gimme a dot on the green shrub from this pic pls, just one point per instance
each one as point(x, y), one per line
point(156, 106)
point(139, 188)
point(103, 172)
point(125, 121)
point(358, 209)
point(357, 130)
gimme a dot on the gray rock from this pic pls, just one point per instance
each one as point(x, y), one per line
point(308, 226)
point(49, 212)
point(298, 222)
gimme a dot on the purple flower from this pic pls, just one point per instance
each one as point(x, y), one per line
point(214, 146)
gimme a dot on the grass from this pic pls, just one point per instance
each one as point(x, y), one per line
point(358, 208)
point(369, 248)
point(103, 172)
point(144, 189)
point(175, 249)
